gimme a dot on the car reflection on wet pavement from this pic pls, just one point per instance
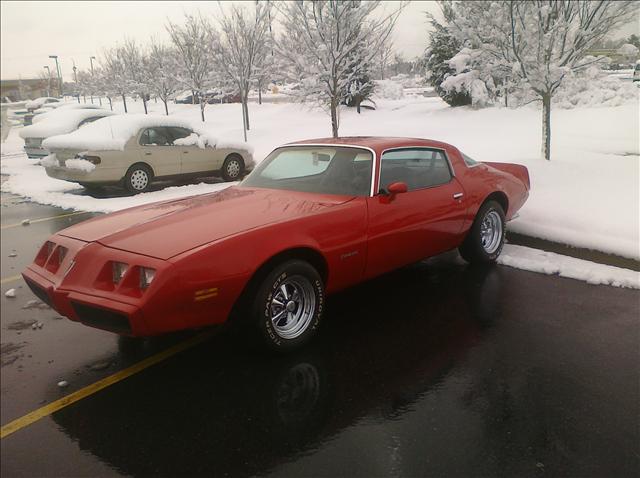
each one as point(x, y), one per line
point(435, 369)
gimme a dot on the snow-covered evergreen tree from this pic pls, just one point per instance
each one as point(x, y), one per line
point(318, 43)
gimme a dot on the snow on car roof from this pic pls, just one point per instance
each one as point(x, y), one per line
point(62, 122)
point(44, 113)
point(33, 104)
point(111, 134)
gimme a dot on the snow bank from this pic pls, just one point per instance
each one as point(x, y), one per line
point(550, 263)
point(61, 122)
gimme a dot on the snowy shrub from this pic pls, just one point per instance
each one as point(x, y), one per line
point(389, 90)
point(592, 87)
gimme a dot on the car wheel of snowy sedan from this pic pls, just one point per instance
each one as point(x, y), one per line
point(232, 168)
point(138, 178)
point(485, 239)
point(288, 306)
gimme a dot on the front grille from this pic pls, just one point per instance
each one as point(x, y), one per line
point(33, 142)
point(39, 292)
point(102, 318)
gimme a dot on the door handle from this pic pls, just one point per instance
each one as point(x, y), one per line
point(147, 153)
point(185, 152)
point(458, 195)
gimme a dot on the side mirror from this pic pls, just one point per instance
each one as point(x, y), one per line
point(397, 187)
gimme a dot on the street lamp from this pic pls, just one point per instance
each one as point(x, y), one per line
point(48, 80)
point(55, 57)
point(91, 58)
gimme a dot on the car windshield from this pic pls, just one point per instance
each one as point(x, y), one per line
point(316, 169)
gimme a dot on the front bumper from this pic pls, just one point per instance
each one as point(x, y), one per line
point(98, 312)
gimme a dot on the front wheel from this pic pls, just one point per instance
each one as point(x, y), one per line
point(485, 239)
point(232, 168)
point(288, 306)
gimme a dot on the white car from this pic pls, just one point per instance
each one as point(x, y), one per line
point(61, 122)
point(33, 105)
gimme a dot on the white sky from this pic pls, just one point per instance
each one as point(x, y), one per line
point(76, 30)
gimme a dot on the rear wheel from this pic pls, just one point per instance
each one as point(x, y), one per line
point(138, 178)
point(288, 306)
point(233, 167)
point(485, 239)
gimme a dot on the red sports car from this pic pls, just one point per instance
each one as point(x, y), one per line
point(313, 218)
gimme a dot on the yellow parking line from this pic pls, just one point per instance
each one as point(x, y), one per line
point(6, 280)
point(41, 219)
point(63, 402)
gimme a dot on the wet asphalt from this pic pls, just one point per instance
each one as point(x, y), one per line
point(438, 369)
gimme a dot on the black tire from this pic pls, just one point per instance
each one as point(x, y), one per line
point(232, 168)
point(301, 316)
point(134, 180)
point(476, 251)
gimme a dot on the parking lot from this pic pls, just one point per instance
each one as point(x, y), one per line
point(436, 369)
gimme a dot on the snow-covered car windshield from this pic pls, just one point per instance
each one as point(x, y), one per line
point(316, 169)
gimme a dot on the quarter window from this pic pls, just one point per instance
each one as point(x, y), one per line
point(469, 161)
point(417, 168)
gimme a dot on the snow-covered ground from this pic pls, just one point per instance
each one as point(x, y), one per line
point(587, 196)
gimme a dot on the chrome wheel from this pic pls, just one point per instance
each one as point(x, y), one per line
point(139, 180)
point(292, 307)
point(491, 232)
point(233, 168)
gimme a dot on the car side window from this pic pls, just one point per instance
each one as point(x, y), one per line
point(417, 168)
point(177, 133)
point(155, 137)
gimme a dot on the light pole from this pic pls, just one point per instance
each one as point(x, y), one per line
point(91, 58)
point(55, 57)
point(48, 80)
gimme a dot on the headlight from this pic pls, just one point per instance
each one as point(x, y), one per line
point(146, 277)
point(118, 269)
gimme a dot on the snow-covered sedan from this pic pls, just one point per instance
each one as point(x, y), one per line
point(33, 105)
point(313, 218)
point(133, 150)
point(61, 122)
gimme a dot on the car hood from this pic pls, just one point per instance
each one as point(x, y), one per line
point(168, 228)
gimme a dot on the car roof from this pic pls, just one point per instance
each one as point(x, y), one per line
point(377, 143)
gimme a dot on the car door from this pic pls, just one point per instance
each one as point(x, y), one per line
point(425, 221)
point(193, 158)
point(158, 151)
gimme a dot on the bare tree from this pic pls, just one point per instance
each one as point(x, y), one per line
point(243, 47)
point(385, 56)
point(193, 41)
point(134, 59)
point(114, 74)
point(160, 66)
point(318, 43)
